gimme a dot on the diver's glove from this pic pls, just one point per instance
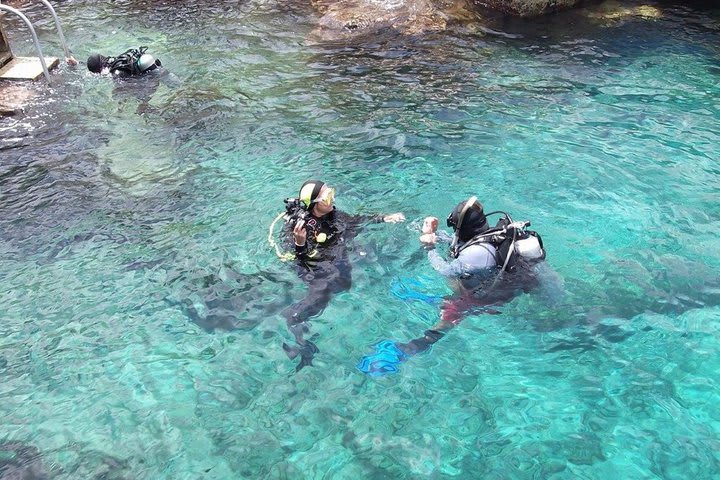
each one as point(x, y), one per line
point(386, 359)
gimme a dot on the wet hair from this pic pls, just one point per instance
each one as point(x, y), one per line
point(96, 63)
point(473, 223)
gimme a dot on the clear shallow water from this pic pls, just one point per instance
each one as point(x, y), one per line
point(119, 202)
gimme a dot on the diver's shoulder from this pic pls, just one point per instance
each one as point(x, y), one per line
point(479, 247)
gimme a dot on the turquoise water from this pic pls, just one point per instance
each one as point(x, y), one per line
point(122, 204)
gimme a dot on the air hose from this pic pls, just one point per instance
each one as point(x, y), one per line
point(284, 256)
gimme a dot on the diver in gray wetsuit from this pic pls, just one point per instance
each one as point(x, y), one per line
point(490, 265)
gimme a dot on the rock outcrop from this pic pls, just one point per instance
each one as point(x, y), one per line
point(342, 19)
point(350, 18)
point(613, 12)
point(528, 8)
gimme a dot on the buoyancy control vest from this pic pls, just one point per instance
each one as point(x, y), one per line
point(133, 62)
point(512, 240)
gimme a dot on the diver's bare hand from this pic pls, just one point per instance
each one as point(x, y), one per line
point(430, 225)
point(428, 239)
point(394, 218)
point(299, 233)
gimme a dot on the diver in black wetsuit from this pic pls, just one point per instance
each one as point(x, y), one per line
point(140, 73)
point(131, 63)
point(319, 234)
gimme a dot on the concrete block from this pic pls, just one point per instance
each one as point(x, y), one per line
point(26, 68)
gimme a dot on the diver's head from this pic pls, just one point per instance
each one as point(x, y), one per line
point(96, 63)
point(147, 62)
point(468, 219)
point(317, 197)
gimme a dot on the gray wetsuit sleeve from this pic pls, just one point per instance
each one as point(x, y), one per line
point(443, 236)
point(471, 260)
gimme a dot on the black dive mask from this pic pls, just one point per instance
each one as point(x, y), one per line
point(451, 220)
point(467, 219)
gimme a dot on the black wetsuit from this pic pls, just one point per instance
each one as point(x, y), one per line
point(324, 265)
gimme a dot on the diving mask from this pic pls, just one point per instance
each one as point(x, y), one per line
point(326, 197)
point(455, 219)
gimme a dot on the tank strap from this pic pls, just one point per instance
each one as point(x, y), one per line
point(494, 236)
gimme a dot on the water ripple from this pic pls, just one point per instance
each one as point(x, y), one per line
point(141, 324)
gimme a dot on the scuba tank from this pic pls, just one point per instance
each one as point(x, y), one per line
point(530, 247)
point(147, 62)
point(134, 62)
point(518, 242)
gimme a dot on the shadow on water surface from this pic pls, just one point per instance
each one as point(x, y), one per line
point(230, 300)
point(21, 462)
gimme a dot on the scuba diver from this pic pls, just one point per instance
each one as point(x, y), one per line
point(488, 266)
point(132, 63)
point(318, 235)
point(141, 76)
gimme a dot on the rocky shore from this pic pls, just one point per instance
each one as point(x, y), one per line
point(346, 19)
point(528, 8)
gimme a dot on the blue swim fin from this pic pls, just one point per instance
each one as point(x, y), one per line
point(408, 289)
point(386, 359)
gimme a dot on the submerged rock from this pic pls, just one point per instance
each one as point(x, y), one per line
point(231, 300)
point(20, 461)
point(350, 18)
point(613, 12)
point(345, 19)
point(14, 98)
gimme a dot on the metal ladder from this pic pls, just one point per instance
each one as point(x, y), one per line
point(34, 35)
